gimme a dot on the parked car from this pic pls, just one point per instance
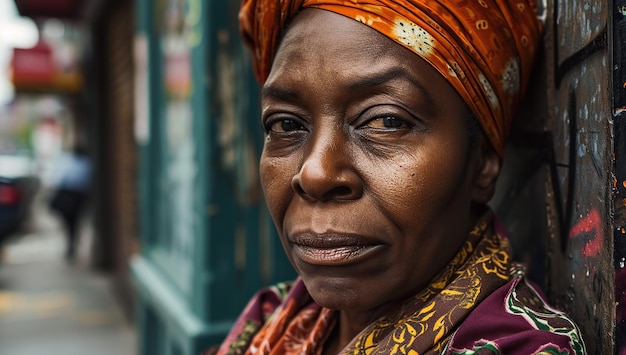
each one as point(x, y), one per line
point(18, 184)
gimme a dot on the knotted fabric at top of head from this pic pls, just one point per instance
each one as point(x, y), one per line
point(484, 48)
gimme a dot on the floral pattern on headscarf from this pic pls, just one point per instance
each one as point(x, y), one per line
point(484, 48)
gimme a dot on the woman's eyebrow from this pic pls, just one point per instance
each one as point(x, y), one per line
point(366, 82)
point(279, 93)
point(384, 77)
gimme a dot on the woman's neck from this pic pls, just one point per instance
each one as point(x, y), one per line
point(349, 325)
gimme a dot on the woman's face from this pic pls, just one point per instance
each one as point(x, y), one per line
point(367, 169)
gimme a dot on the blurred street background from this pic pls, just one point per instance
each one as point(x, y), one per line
point(50, 302)
point(50, 306)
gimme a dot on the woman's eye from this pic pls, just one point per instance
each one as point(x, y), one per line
point(386, 122)
point(285, 125)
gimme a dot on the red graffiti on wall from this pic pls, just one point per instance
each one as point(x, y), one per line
point(590, 224)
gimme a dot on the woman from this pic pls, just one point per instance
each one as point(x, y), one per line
point(377, 177)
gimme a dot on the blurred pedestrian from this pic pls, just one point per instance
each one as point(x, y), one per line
point(71, 194)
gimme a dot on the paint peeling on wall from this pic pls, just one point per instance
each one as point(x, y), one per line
point(579, 21)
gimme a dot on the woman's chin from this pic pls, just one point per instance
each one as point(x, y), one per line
point(345, 294)
point(331, 293)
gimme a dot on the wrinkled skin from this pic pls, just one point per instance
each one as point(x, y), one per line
point(368, 170)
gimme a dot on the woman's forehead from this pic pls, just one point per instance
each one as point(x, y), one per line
point(313, 28)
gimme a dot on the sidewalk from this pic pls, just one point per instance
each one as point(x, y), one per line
point(48, 306)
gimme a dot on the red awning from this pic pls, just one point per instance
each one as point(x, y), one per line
point(62, 9)
point(36, 69)
point(32, 66)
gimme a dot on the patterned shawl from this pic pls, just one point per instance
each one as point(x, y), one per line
point(484, 48)
point(285, 320)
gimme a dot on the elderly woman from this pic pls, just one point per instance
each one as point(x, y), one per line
point(385, 125)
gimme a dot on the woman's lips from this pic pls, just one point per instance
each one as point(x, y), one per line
point(333, 249)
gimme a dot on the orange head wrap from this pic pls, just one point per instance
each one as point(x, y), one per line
point(484, 48)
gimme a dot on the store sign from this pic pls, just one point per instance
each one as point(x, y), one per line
point(32, 66)
point(178, 74)
point(38, 68)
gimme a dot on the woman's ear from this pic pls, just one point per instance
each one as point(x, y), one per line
point(488, 169)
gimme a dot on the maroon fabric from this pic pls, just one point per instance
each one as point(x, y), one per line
point(539, 329)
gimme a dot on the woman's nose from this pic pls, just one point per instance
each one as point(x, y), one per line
point(328, 173)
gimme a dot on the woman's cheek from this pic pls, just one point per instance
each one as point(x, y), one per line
point(276, 185)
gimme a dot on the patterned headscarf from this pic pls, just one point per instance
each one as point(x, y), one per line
point(484, 48)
